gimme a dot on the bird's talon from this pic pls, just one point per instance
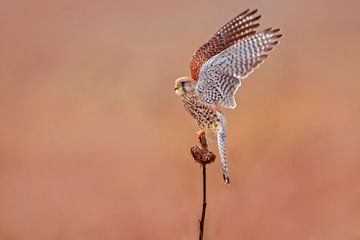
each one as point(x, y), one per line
point(199, 134)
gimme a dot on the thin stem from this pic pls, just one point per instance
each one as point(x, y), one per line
point(202, 221)
point(203, 156)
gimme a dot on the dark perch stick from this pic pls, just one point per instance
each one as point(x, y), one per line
point(202, 221)
point(204, 157)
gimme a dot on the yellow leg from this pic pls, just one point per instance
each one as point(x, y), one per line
point(199, 134)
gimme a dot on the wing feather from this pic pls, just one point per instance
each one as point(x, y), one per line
point(220, 77)
point(238, 28)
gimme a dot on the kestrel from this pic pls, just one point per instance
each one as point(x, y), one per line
point(217, 69)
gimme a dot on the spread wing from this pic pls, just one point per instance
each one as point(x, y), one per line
point(221, 76)
point(238, 28)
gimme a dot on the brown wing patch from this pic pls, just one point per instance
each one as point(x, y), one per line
point(236, 29)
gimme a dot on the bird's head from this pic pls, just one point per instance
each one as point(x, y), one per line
point(184, 85)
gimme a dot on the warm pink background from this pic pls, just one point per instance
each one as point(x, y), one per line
point(94, 144)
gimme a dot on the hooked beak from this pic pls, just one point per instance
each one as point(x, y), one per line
point(177, 86)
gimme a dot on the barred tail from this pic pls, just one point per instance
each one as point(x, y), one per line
point(221, 138)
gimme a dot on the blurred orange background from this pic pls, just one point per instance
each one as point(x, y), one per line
point(94, 144)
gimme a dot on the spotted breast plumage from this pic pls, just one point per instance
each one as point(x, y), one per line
point(217, 69)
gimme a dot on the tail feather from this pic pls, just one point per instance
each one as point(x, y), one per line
point(221, 137)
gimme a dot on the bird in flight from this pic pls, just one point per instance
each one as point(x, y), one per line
point(217, 69)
